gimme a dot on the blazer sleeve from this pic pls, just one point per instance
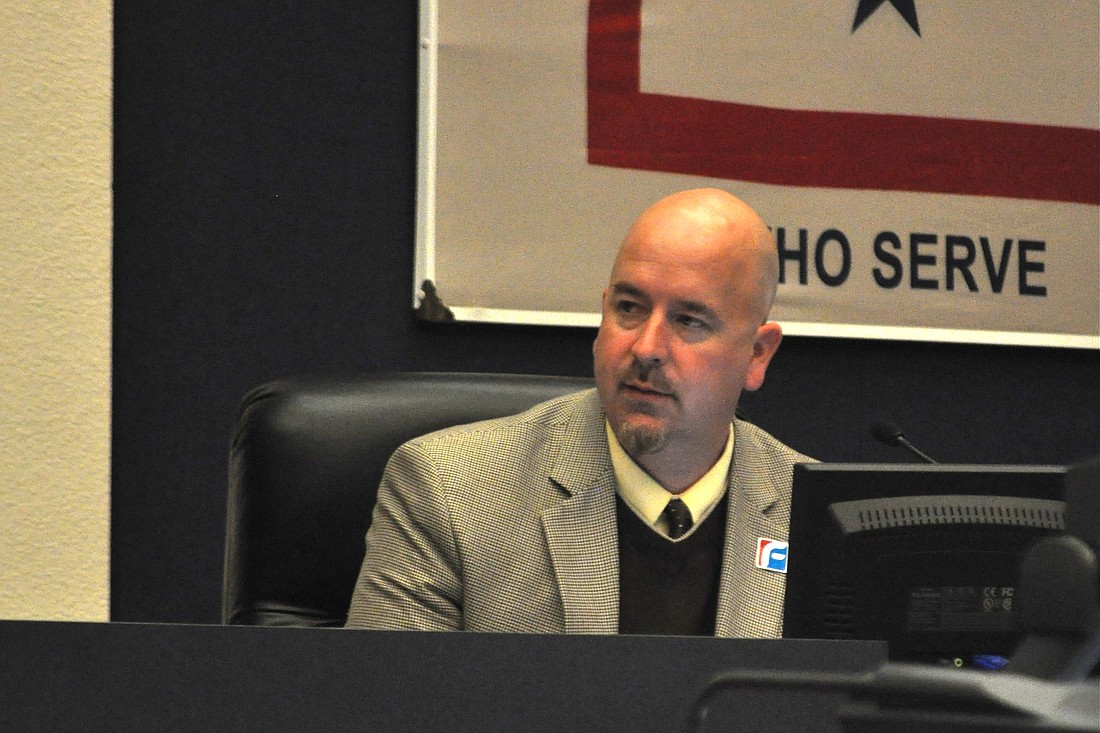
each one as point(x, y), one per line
point(410, 578)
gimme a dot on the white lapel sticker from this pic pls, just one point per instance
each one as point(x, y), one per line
point(772, 554)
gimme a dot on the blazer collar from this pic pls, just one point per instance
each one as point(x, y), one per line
point(581, 460)
point(749, 475)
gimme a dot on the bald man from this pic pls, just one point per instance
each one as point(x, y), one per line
point(636, 507)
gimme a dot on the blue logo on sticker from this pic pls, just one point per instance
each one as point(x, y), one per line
point(772, 555)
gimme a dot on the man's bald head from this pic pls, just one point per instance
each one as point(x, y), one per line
point(715, 217)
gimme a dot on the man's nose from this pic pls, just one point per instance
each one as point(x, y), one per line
point(651, 345)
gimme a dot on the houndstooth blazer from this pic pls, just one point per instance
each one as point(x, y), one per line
point(509, 525)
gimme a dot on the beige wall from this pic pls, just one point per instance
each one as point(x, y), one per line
point(55, 278)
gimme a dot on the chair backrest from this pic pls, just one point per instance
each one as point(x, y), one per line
point(305, 461)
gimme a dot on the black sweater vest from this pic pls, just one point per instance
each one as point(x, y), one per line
point(669, 587)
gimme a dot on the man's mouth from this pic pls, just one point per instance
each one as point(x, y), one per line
point(644, 391)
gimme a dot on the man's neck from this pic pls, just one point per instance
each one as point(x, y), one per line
point(677, 468)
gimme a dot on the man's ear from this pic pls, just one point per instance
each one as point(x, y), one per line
point(603, 311)
point(764, 346)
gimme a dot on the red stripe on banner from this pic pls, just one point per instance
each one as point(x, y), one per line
point(657, 132)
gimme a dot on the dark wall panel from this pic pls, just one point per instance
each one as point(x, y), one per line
point(264, 204)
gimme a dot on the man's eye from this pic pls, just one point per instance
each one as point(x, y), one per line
point(691, 322)
point(627, 306)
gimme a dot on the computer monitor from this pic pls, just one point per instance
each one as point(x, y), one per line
point(923, 556)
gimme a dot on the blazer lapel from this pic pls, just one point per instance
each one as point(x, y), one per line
point(750, 600)
point(581, 532)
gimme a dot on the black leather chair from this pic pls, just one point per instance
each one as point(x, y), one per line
point(305, 461)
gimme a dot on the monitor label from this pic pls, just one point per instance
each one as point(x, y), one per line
point(961, 608)
point(772, 555)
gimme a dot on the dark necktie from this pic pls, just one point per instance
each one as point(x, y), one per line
point(678, 516)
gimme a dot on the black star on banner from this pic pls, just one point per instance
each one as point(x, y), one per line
point(906, 8)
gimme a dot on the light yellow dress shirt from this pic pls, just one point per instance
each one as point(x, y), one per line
point(648, 499)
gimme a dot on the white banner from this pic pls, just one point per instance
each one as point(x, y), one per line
point(931, 169)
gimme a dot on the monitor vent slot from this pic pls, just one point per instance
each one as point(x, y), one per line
point(914, 511)
point(838, 611)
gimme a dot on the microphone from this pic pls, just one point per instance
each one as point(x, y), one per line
point(890, 434)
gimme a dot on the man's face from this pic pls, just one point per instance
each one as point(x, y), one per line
point(680, 337)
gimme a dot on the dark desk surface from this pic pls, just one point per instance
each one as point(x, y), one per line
point(86, 676)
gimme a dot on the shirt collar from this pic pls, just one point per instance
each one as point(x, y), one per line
point(648, 499)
